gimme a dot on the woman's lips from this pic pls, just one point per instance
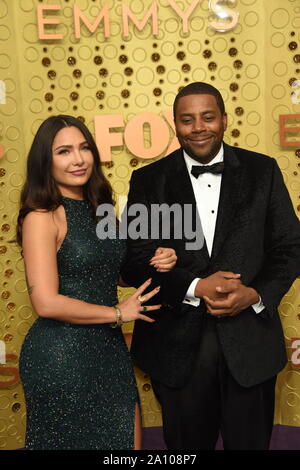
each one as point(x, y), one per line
point(78, 172)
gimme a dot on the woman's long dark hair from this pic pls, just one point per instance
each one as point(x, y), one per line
point(40, 190)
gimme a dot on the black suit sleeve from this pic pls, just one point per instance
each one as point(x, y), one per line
point(136, 268)
point(281, 264)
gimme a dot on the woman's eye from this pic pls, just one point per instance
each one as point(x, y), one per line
point(63, 151)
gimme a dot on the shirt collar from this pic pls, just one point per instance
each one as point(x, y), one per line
point(190, 161)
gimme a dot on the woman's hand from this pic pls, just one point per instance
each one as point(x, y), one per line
point(132, 307)
point(164, 259)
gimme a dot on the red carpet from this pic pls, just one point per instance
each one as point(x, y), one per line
point(283, 438)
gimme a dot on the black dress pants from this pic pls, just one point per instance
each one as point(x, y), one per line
point(212, 402)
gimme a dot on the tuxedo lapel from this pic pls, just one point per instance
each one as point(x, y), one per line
point(230, 195)
point(181, 191)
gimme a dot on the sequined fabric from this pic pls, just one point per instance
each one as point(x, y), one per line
point(78, 380)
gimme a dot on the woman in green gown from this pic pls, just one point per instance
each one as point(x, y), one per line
point(75, 367)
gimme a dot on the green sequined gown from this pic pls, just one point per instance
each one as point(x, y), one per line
point(78, 379)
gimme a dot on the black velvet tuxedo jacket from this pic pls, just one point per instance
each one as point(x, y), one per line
point(257, 234)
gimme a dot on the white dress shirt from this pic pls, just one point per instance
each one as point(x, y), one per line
point(207, 193)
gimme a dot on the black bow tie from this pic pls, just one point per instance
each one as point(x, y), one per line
point(216, 168)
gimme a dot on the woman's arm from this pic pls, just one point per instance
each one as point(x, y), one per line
point(163, 260)
point(40, 235)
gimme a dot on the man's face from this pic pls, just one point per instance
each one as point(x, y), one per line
point(200, 126)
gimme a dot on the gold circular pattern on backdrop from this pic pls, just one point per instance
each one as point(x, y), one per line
point(3, 9)
point(251, 19)
point(142, 100)
point(252, 71)
point(278, 92)
point(280, 18)
point(5, 61)
point(62, 105)
point(278, 39)
point(145, 76)
point(12, 133)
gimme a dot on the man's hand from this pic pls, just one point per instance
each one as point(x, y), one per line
point(234, 301)
point(208, 286)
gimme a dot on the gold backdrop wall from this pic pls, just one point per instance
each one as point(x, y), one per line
point(254, 65)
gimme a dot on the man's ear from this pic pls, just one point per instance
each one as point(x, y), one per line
point(225, 120)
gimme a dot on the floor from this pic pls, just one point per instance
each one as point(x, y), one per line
point(283, 438)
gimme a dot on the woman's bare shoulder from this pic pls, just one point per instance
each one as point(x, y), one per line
point(39, 219)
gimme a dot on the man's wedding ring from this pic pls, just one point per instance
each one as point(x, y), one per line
point(141, 299)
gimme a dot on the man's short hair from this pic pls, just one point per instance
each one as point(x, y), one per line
point(200, 88)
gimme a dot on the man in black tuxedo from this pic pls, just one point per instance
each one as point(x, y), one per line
point(217, 344)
